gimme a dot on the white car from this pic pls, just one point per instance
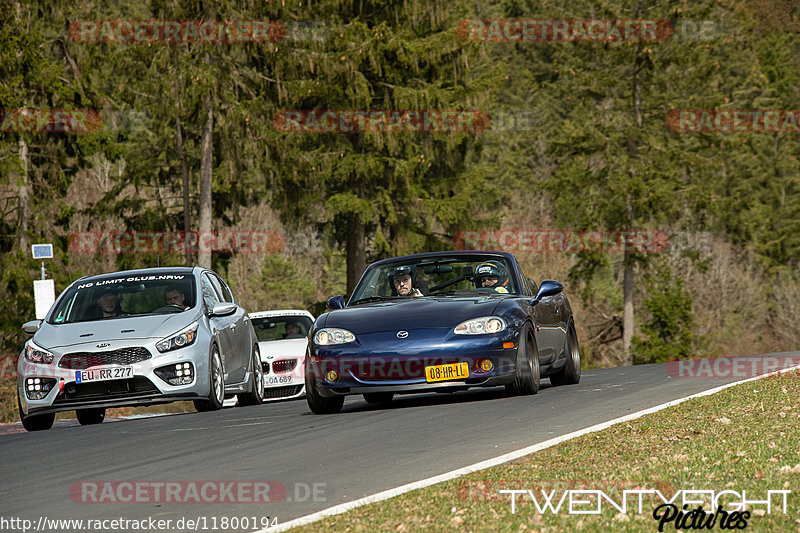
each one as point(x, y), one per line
point(282, 341)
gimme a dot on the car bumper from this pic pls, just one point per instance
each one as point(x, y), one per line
point(378, 363)
point(143, 387)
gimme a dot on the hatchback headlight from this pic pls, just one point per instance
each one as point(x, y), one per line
point(328, 336)
point(179, 340)
point(479, 326)
point(35, 354)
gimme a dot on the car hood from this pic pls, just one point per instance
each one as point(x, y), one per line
point(282, 347)
point(411, 314)
point(52, 336)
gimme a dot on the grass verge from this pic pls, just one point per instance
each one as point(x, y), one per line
point(744, 438)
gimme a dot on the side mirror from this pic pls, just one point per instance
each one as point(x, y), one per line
point(32, 326)
point(548, 287)
point(336, 302)
point(222, 309)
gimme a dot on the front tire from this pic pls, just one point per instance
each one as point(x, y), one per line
point(320, 405)
point(216, 383)
point(88, 417)
point(571, 373)
point(256, 395)
point(35, 422)
point(527, 377)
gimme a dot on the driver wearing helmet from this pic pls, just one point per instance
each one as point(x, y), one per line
point(402, 281)
point(492, 274)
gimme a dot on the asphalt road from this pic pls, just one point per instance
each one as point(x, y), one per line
point(321, 460)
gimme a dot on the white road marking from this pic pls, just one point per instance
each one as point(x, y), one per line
point(391, 493)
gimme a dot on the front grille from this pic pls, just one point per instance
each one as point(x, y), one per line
point(282, 392)
point(287, 365)
point(123, 356)
point(106, 390)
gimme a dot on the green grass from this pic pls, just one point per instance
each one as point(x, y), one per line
point(742, 438)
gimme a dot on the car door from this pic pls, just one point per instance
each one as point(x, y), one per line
point(239, 328)
point(220, 325)
point(546, 319)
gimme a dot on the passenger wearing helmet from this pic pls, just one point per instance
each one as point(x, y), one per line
point(402, 281)
point(492, 274)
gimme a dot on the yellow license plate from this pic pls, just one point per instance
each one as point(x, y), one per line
point(447, 372)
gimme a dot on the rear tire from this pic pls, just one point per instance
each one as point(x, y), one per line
point(378, 397)
point(256, 395)
point(35, 422)
point(216, 384)
point(87, 417)
point(571, 373)
point(527, 364)
point(320, 405)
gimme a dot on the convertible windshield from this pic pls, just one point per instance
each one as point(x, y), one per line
point(275, 328)
point(116, 297)
point(463, 275)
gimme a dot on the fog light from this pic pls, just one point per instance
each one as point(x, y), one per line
point(38, 388)
point(485, 365)
point(332, 376)
point(177, 374)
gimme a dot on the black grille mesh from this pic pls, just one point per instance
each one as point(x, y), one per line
point(123, 356)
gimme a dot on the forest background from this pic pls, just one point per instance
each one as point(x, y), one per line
point(580, 136)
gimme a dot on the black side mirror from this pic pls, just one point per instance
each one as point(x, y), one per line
point(548, 287)
point(336, 302)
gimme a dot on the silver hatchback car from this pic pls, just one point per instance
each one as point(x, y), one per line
point(139, 337)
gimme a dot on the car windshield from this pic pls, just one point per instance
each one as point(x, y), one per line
point(275, 328)
point(112, 297)
point(445, 276)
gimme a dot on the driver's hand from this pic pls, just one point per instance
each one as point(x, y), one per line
point(416, 293)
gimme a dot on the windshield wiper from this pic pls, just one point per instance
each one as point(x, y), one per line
point(373, 299)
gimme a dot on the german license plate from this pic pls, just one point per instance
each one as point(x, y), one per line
point(278, 380)
point(103, 374)
point(447, 372)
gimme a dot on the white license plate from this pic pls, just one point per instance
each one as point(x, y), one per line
point(103, 374)
point(271, 381)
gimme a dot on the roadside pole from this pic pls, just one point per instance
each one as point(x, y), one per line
point(44, 290)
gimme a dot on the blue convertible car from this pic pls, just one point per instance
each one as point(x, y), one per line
point(441, 322)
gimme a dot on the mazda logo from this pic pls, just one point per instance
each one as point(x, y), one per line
point(402, 334)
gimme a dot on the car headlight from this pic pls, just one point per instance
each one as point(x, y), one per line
point(479, 326)
point(327, 336)
point(35, 354)
point(179, 340)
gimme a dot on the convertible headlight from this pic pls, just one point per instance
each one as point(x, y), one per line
point(35, 354)
point(328, 336)
point(479, 326)
point(179, 340)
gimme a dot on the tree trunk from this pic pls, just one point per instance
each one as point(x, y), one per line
point(187, 225)
point(23, 198)
point(356, 251)
point(627, 310)
point(206, 162)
